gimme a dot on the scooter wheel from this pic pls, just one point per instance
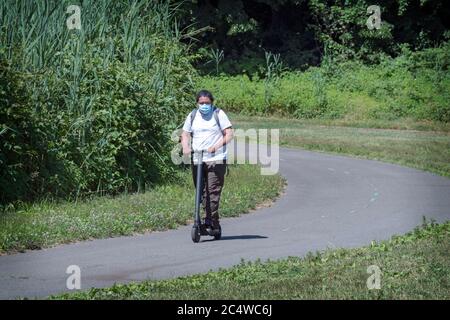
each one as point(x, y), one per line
point(218, 234)
point(195, 234)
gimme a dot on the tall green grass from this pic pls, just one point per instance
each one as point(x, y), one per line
point(414, 85)
point(91, 110)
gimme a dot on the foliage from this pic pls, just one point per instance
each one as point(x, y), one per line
point(21, 142)
point(415, 85)
point(303, 32)
point(99, 102)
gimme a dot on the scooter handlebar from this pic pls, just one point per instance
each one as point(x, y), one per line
point(199, 150)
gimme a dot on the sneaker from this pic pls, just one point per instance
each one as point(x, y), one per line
point(215, 225)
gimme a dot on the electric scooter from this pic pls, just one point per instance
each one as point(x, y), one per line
point(199, 228)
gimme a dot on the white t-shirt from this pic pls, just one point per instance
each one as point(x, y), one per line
point(206, 133)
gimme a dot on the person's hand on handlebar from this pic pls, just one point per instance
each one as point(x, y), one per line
point(200, 150)
point(211, 149)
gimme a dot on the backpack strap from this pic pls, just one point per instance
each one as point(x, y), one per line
point(216, 116)
point(193, 113)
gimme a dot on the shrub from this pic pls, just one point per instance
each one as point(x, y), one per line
point(415, 85)
point(94, 107)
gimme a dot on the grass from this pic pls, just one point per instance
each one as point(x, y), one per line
point(413, 266)
point(414, 84)
point(422, 145)
point(46, 224)
point(279, 121)
point(89, 110)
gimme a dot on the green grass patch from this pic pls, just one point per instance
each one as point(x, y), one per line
point(414, 85)
point(167, 206)
point(413, 266)
point(422, 145)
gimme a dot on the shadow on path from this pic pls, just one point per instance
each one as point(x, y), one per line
point(240, 237)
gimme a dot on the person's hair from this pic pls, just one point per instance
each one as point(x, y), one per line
point(205, 93)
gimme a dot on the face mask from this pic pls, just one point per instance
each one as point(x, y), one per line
point(204, 108)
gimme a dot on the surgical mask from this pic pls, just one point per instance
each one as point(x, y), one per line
point(204, 108)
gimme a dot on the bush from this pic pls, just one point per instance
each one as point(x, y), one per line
point(20, 142)
point(414, 85)
point(93, 108)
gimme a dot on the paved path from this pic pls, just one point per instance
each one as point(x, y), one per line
point(330, 201)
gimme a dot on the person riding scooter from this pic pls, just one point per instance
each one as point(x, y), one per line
point(210, 129)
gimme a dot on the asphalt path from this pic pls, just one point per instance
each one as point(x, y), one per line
point(330, 201)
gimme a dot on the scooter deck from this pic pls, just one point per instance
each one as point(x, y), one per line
point(205, 231)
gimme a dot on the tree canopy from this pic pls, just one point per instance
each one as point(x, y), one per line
point(303, 31)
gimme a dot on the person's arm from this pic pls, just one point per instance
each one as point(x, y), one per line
point(185, 137)
point(226, 138)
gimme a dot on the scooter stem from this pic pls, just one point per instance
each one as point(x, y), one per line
point(199, 189)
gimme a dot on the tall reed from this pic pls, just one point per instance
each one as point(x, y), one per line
point(106, 96)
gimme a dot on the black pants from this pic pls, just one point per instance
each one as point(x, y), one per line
point(213, 180)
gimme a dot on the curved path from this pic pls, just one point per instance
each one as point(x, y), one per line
point(330, 201)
